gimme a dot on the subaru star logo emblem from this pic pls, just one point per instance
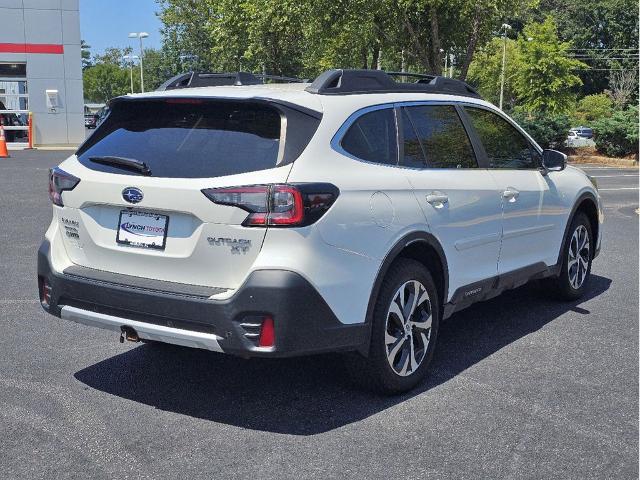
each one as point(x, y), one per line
point(132, 195)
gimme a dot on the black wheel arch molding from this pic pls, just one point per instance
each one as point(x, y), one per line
point(585, 196)
point(395, 252)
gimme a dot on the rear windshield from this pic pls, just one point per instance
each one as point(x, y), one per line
point(187, 138)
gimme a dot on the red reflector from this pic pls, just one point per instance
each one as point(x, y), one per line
point(267, 333)
point(45, 291)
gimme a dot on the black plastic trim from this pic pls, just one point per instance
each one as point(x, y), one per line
point(349, 82)
point(565, 237)
point(394, 253)
point(467, 295)
point(304, 323)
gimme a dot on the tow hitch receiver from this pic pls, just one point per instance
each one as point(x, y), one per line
point(129, 334)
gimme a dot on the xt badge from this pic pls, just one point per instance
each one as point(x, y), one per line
point(237, 245)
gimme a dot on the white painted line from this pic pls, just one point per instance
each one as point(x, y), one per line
point(613, 189)
point(614, 176)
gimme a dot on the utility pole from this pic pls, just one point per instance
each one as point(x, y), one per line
point(505, 27)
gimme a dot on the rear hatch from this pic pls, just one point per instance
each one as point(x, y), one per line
point(154, 221)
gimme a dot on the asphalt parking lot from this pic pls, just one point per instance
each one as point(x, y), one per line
point(521, 386)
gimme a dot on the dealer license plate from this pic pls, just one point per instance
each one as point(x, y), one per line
point(142, 229)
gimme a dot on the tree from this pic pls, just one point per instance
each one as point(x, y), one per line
point(486, 68)
point(618, 135)
point(85, 50)
point(594, 107)
point(623, 86)
point(546, 79)
point(104, 81)
point(603, 34)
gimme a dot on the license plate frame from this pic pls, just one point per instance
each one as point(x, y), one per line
point(137, 240)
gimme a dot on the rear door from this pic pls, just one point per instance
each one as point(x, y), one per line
point(530, 200)
point(161, 225)
point(460, 200)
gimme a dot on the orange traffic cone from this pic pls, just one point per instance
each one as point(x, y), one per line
point(4, 153)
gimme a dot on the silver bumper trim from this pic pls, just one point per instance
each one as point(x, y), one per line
point(147, 331)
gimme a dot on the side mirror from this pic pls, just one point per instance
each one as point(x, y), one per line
point(553, 160)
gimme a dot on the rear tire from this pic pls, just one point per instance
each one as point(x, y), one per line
point(577, 254)
point(404, 331)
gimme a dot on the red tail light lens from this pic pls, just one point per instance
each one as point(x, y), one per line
point(60, 181)
point(280, 205)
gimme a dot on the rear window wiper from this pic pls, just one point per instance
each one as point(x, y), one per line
point(123, 162)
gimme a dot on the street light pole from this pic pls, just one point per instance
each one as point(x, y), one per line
point(130, 59)
point(505, 27)
point(140, 36)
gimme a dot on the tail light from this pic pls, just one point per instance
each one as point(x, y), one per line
point(60, 181)
point(281, 205)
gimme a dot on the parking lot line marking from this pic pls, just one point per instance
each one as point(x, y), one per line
point(614, 176)
point(612, 189)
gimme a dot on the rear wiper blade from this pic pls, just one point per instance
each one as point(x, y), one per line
point(123, 162)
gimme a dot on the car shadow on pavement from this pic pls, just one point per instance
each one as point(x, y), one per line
point(311, 395)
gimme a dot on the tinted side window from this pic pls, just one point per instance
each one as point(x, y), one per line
point(413, 154)
point(372, 137)
point(442, 136)
point(506, 147)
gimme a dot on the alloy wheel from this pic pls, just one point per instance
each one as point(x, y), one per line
point(408, 328)
point(579, 255)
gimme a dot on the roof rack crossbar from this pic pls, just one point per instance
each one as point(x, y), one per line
point(214, 79)
point(345, 82)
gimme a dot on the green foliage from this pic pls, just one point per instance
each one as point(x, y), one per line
point(606, 31)
point(617, 135)
point(85, 50)
point(545, 81)
point(593, 107)
point(485, 70)
point(549, 130)
point(104, 81)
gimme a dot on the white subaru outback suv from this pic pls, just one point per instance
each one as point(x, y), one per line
point(351, 214)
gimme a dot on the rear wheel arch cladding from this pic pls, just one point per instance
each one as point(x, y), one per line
point(414, 245)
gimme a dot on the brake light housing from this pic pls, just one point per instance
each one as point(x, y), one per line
point(60, 181)
point(277, 205)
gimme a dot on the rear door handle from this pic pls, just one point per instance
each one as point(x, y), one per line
point(511, 194)
point(437, 199)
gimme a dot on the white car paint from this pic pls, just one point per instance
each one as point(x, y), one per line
point(481, 231)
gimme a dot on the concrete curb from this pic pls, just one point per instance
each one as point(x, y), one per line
point(594, 159)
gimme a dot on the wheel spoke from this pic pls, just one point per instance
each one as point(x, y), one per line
point(404, 361)
point(394, 350)
point(423, 324)
point(412, 355)
point(395, 309)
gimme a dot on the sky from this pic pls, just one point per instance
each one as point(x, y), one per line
point(107, 23)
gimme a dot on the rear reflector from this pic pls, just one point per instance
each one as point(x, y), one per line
point(267, 333)
point(45, 291)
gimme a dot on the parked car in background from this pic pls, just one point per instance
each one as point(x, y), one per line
point(584, 132)
point(91, 120)
point(10, 120)
point(574, 140)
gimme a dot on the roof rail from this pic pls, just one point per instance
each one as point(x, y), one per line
point(345, 82)
point(215, 79)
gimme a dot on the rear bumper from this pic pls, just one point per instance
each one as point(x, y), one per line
point(183, 315)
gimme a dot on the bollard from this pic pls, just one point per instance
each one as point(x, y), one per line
point(30, 131)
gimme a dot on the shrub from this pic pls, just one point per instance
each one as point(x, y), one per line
point(594, 107)
point(617, 136)
point(550, 131)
